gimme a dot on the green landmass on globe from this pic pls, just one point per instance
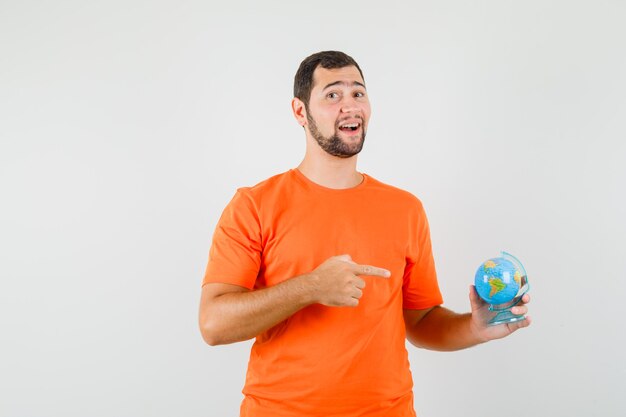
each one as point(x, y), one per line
point(496, 285)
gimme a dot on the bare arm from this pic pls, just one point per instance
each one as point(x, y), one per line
point(229, 313)
point(438, 328)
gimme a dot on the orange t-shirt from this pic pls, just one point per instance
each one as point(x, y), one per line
point(328, 361)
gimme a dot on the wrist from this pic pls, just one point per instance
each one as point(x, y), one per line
point(307, 287)
point(475, 330)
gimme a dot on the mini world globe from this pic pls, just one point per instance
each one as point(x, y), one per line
point(498, 281)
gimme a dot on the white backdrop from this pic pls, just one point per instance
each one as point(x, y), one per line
point(126, 126)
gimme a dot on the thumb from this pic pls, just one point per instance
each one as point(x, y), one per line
point(475, 301)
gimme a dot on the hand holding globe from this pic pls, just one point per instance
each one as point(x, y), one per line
point(502, 282)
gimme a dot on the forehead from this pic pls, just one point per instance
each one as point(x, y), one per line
point(323, 76)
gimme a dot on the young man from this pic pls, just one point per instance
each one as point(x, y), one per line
point(330, 270)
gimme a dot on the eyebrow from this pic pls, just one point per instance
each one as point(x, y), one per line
point(354, 83)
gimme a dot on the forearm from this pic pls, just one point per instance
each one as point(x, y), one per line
point(238, 316)
point(443, 330)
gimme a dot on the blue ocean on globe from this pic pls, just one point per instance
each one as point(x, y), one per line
point(497, 281)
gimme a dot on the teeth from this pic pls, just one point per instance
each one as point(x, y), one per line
point(350, 125)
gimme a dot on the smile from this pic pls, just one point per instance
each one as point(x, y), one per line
point(346, 127)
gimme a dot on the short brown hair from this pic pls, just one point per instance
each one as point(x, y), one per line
point(303, 81)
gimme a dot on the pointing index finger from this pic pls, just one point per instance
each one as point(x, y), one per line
point(371, 271)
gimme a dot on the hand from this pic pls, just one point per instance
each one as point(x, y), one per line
point(337, 281)
point(481, 314)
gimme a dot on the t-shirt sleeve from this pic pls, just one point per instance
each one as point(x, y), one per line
point(235, 254)
point(420, 288)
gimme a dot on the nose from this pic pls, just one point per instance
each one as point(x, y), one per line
point(350, 105)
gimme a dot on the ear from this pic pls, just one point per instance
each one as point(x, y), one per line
point(299, 111)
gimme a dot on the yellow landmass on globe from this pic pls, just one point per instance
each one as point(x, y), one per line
point(518, 277)
point(496, 286)
point(490, 264)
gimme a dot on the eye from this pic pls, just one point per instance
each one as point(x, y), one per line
point(359, 94)
point(332, 95)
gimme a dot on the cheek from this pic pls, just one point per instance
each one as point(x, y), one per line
point(366, 109)
point(367, 112)
point(330, 117)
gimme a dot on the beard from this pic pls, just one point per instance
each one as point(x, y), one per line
point(333, 144)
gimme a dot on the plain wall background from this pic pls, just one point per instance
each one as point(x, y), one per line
point(126, 127)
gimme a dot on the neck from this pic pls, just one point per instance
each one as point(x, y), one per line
point(328, 170)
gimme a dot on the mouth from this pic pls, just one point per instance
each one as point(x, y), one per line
point(352, 127)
